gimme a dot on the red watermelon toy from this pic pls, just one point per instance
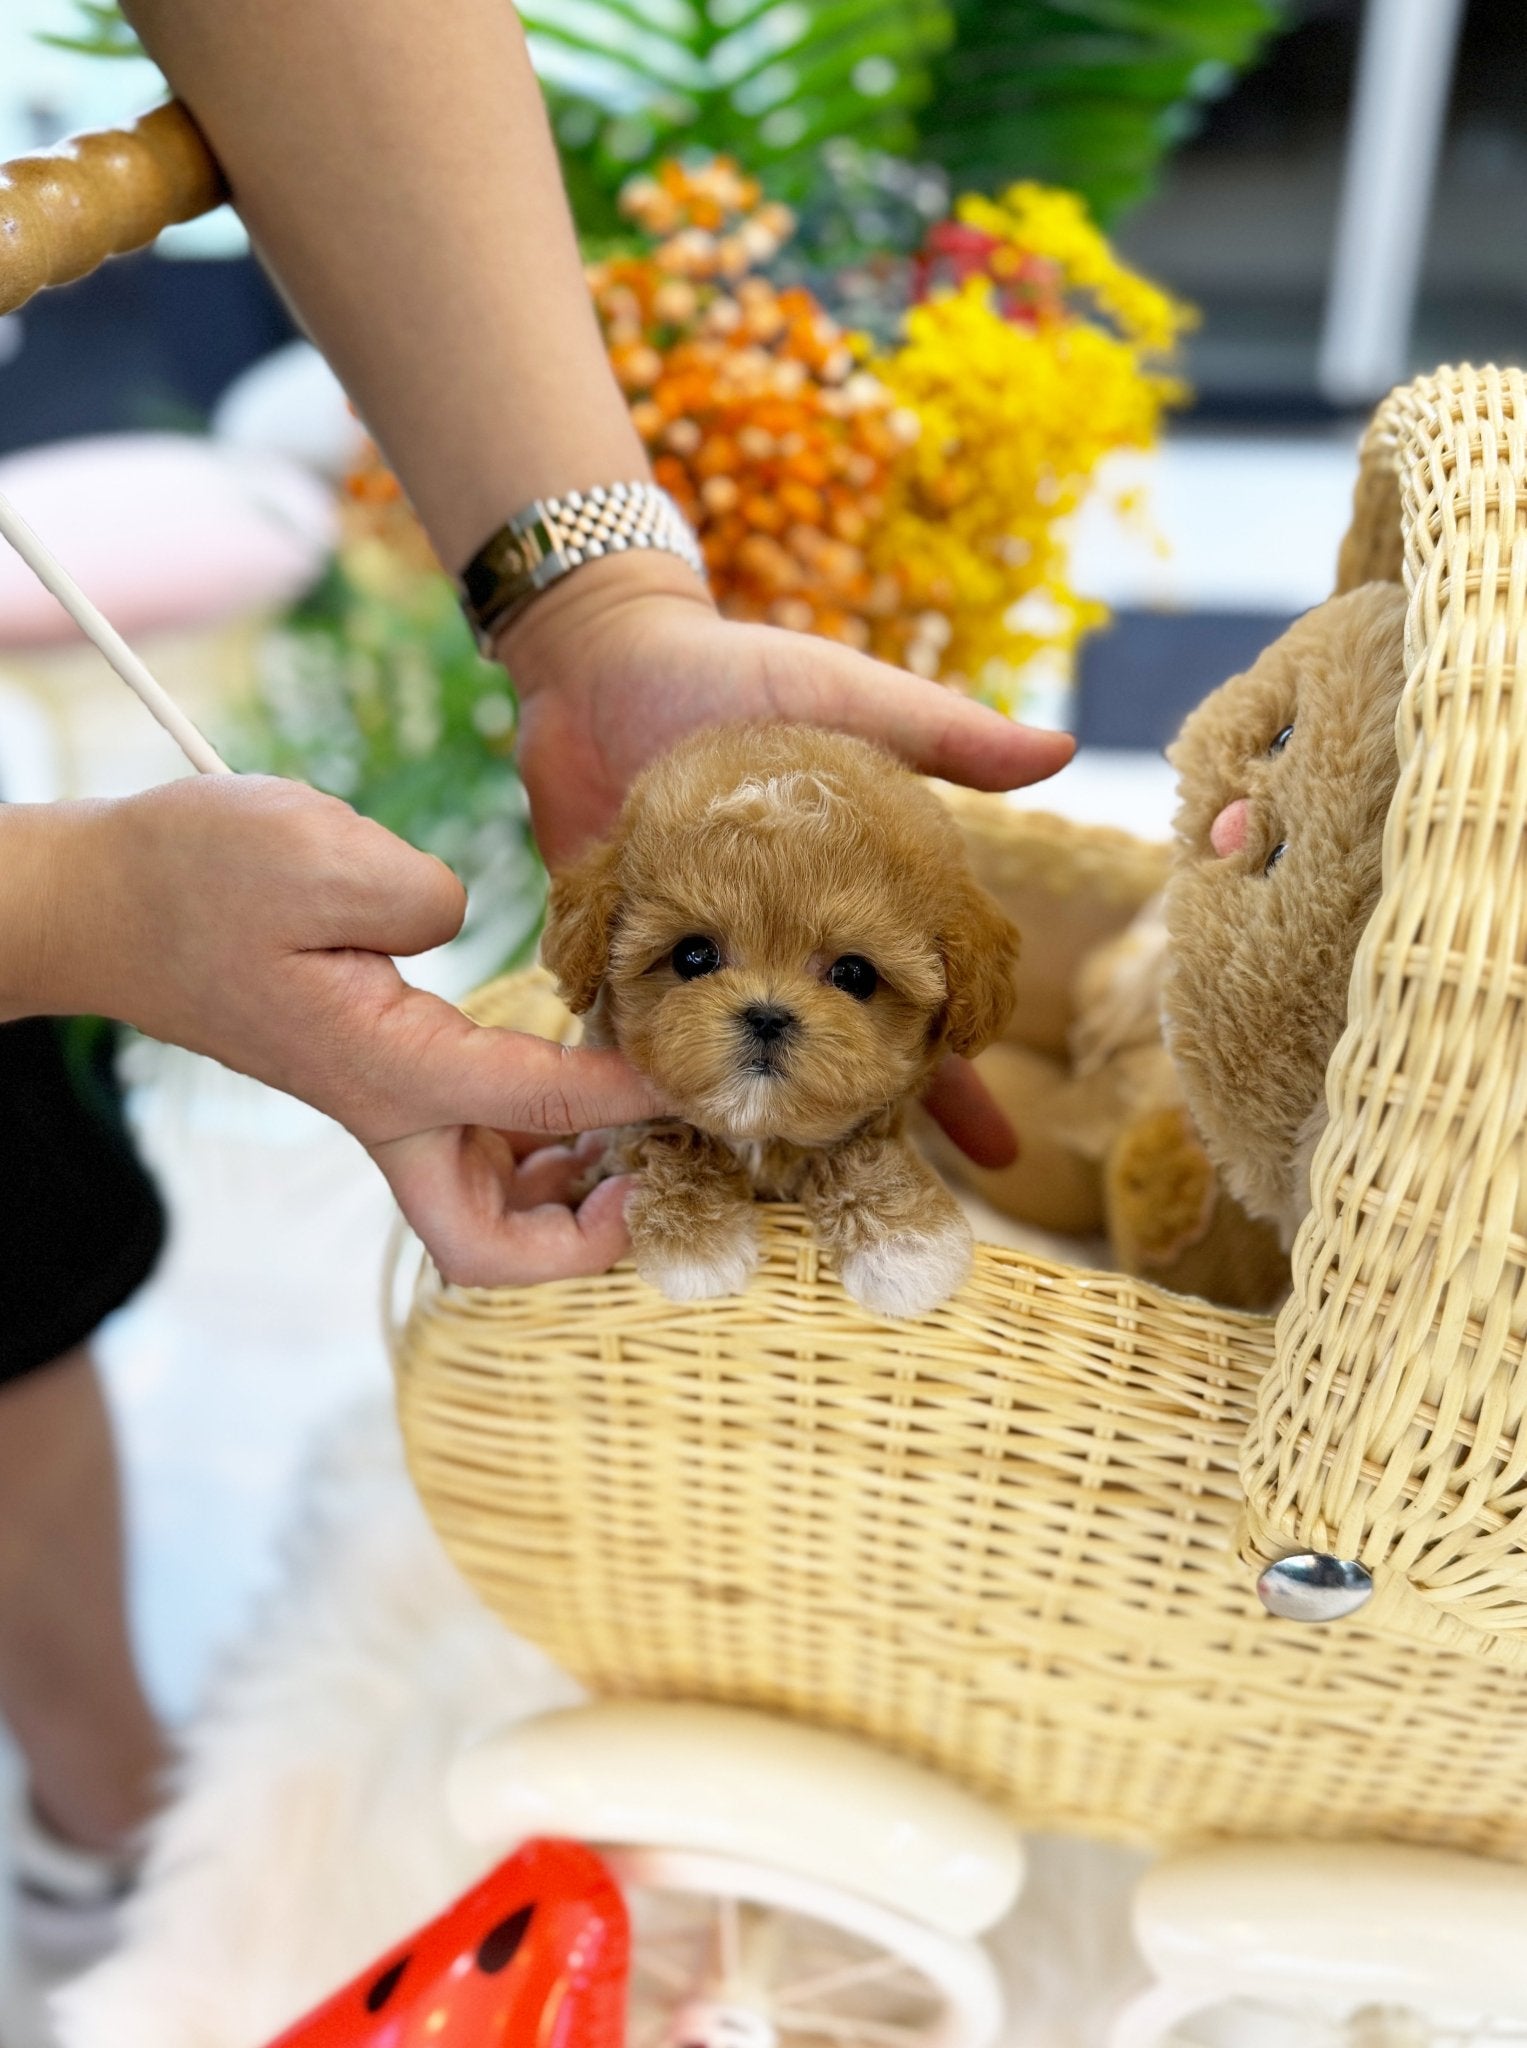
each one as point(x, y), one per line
point(533, 1957)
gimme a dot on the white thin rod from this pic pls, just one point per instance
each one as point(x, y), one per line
point(55, 577)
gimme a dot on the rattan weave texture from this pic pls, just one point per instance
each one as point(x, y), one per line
point(1000, 1541)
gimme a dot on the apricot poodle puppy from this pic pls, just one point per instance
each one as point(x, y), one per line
point(784, 934)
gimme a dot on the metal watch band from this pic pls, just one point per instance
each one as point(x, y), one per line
point(554, 536)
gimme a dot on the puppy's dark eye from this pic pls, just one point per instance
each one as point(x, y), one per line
point(695, 956)
point(1275, 856)
point(1282, 740)
point(855, 976)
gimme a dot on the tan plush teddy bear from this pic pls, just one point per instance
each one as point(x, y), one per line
point(1108, 1153)
point(1189, 1150)
point(1286, 775)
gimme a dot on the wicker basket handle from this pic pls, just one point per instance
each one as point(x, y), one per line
point(1392, 1427)
point(65, 210)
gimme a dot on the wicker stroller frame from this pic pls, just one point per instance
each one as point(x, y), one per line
point(1392, 1427)
point(1007, 1540)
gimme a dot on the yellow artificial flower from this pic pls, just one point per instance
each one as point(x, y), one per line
point(1015, 411)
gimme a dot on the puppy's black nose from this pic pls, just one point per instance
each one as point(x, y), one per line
point(767, 1023)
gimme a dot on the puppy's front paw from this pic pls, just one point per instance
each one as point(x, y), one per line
point(698, 1266)
point(908, 1272)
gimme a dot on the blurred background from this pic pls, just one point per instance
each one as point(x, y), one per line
point(1217, 137)
point(1338, 189)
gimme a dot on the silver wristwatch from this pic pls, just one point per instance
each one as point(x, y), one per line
point(554, 536)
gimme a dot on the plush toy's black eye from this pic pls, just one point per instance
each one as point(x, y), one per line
point(1282, 740)
point(855, 976)
point(1275, 856)
point(695, 956)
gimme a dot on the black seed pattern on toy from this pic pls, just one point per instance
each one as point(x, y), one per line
point(386, 1984)
point(501, 1944)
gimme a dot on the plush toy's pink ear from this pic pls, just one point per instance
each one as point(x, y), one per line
point(980, 949)
point(580, 916)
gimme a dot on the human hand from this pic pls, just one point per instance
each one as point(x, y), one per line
point(252, 919)
point(618, 662)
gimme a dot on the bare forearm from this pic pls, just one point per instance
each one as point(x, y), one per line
point(394, 164)
point(45, 927)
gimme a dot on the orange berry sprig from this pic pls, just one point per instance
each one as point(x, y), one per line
point(777, 446)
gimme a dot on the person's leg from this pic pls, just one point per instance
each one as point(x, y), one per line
point(69, 1689)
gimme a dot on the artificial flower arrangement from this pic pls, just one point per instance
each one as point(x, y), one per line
point(911, 499)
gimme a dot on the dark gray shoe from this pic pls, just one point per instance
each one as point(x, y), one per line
point(68, 1900)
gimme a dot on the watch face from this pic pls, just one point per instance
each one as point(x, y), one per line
point(513, 558)
point(488, 582)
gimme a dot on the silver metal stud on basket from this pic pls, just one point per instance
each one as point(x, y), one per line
point(1313, 1587)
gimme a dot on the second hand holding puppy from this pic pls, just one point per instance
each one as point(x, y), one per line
point(783, 935)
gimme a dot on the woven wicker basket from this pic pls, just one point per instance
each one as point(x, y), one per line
point(1007, 1539)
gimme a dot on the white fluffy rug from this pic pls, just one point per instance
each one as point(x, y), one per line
point(309, 1832)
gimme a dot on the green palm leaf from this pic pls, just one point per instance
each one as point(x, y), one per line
point(101, 32)
point(768, 80)
point(1087, 93)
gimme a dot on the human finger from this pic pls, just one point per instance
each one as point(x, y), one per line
point(548, 1175)
point(586, 1147)
point(385, 896)
point(933, 728)
point(431, 1067)
point(487, 1243)
point(960, 1101)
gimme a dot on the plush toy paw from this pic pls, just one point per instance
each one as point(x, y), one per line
point(909, 1272)
point(1160, 1190)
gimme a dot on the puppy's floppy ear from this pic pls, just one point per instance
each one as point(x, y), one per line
point(980, 949)
point(580, 916)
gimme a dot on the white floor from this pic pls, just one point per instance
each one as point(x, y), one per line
point(264, 1319)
